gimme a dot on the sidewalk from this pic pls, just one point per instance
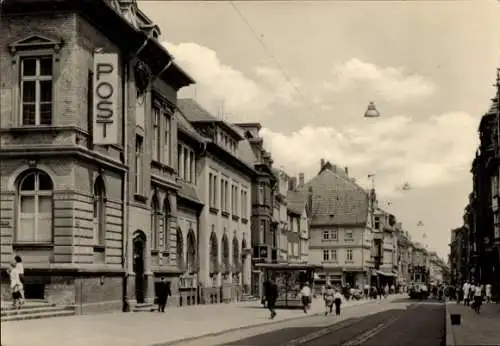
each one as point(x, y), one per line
point(482, 329)
point(149, 328)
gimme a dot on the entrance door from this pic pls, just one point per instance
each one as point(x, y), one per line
point(139, 244)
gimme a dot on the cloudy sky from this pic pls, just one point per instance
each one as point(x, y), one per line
point(307, 71)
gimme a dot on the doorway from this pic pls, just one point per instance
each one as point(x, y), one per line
point(138, 250)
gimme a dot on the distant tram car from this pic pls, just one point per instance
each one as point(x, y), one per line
point(418, 290)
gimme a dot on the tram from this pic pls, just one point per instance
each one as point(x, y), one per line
point(290, 278)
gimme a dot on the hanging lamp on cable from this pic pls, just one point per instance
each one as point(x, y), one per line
point(371, 111)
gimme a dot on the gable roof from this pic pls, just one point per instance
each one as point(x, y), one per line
point(337, 200)
point(185, 126)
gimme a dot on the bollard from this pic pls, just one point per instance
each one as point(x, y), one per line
point(455, 319)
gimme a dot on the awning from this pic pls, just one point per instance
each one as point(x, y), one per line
point(380, 272)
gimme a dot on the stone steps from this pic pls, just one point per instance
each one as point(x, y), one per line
point(34, 310)
point(144, 307)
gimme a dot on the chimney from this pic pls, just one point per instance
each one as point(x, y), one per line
point(292, 184)
point(310, 200)
point(301, 179)
point(321, 164)
point(346, 169)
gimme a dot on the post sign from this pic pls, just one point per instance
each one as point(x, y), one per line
point(105, 95)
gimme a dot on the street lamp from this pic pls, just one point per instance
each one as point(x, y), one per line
point(371, 111)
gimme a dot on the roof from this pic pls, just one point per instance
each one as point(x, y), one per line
point(297, 201)
point(195, 113)
point(185, 126)
point(189, 192)
point(337, 200)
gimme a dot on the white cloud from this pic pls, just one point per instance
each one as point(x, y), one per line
point(391, 83)
point(424, 153)
point(243, 96)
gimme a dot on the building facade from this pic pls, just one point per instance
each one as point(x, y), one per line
point(263, 224)
point(281, 218)
point(340, 239)
point(224, 186)
point(64, 200)
point(299, 212)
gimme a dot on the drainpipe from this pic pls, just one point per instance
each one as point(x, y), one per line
point(125, 194)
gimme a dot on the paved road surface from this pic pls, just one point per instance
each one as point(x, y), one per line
point(401, 323)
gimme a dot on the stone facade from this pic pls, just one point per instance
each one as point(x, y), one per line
point(73, 210)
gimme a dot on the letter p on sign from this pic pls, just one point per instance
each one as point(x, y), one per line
point(105, 114)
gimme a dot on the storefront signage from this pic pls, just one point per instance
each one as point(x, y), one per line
point(105, 95)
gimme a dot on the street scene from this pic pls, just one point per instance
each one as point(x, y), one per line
point(249, 173)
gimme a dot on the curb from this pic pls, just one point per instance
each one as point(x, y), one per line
point(268, 323)
point(450, 334)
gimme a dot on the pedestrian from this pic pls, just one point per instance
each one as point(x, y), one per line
point(329, 298)
point(337, 299)
point(163, 292)
point(466, 291)
point(15, 286)
point(488, 293)
point(270, 296)
point(478, 298)
point(20, 270)
point(305, 293)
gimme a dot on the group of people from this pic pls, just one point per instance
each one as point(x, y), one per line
point(16, 276)
point(474, 293)
point(332, 297)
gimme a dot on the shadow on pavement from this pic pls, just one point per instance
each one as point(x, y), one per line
point(339, 332)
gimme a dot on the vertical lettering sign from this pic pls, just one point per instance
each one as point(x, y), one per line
point(105, 99)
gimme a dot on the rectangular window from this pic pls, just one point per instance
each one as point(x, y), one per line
point(36, 91)
point(138, 164)
point(210, 190)
point(179, 164)
point(236, 202)
point(192, 163)
point(377, 222)
point(243, 210)
point(186, 164)
point(326, 255)
point(334, 234)
point(348, 235)
point(349, 254)
point(326, 235)
point(155, 150)
point(167, 141)
point(222, 194)
point(216, 200)
point(262, 232)
point(260, 194)
point(333, 255)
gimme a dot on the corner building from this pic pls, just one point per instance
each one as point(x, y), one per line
point(64, 192)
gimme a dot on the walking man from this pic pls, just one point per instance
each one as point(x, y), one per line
point(305, 293)
point(270, 296)
point(163, 294)
point(337, 299)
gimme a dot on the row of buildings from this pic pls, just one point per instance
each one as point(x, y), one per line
point(109, 181)
point(475, 245)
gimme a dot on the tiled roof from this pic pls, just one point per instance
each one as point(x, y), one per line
point(245, 151)
point(195, 113)
point(337, 200)
point(185, 126)
point(296, 201)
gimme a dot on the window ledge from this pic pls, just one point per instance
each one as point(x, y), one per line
point(225, 214)
point(213, 210)
point(30, 129)
point(32, 245)
point(244, 220)
point(140, 198)
point(99, 248)
point(162, 166)
point(235, 217)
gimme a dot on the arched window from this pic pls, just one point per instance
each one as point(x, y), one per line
point(35, 212)
point(99, 212)
point(179, 247)
point(225, 253)
point(214, 253)
point(155, 223)
point(191, 251)
point(236, 255)
point(167, 212)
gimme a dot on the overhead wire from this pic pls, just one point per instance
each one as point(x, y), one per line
point(270, 54)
